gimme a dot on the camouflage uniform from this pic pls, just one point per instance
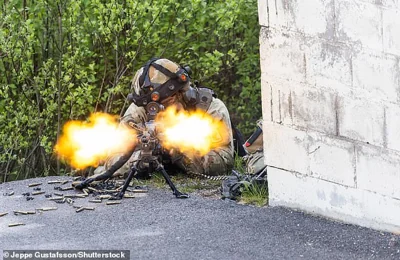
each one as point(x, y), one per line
point(217, 162)
point(254, 160)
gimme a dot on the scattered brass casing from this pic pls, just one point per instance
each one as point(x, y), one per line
point(16, 224)
point(54, 182)
point(47, 209)
point(3, 214)
point(38, 192)
point(113, 202)
point(9, 194)
point(56, 198)
point(84, 208)
point(67, 188)
point(95, 201)
point(34, 184)
point(80, 209)
point(74, 196)
point(21, 212)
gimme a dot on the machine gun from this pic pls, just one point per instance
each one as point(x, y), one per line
point(150, 154)
point(150, 159)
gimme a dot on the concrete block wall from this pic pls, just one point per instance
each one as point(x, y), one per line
point(331, 107)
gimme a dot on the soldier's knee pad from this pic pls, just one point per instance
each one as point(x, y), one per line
point(214, 164)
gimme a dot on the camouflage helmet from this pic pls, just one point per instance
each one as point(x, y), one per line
point(157, 80)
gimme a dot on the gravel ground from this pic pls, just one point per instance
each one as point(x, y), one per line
point(156, 225)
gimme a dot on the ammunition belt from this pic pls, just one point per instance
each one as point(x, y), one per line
point(210, 177)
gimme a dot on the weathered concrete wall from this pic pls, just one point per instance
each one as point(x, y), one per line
point(331, 107)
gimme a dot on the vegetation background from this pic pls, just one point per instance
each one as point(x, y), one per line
point(64, 59)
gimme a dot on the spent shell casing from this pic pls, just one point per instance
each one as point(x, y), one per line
point(3, 214)
point(74, 196)
point(90, 208)
point(38, 192)
point(16, 224)
point(113, 202)
point(130, 196)
point(95, 201)
point(56, 198)
point(92, 189)
point(77, 206)
point(58, 194)
point(30, 212)
point(80, 209)
point(67, 188)
point(20, 212)
point(64, 182)
point(139, 191)
point(86, 192)
point(47, 208)
point(34, 184)
point(54, 182)
point(70, 201)
point(105, 196)
point(77, 178)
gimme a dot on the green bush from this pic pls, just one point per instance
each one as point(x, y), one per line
point(62, 60)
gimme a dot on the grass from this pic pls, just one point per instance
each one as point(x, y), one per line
point(256, 194)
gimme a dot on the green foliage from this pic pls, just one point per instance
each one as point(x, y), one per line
point(62, 60)
point(255, 194)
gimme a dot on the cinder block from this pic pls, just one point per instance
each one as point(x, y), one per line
point(280, 14)
point(378, 170)
point(281, 55)
point(266, 96)
point(328, 65)
point(359, 22)
point(392, 114)
point(263, 12)
point(281, 102)
point(333, 200)
point(361, 120)
point(314, 109)
point(391, 31)
point(332, 159)
point(377, 74)
point(285, 148)
point(312, 17)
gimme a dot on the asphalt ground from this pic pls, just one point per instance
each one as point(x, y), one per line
point(156, 225)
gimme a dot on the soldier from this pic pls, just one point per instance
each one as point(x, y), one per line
point(173, 84)
point(254, 160)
